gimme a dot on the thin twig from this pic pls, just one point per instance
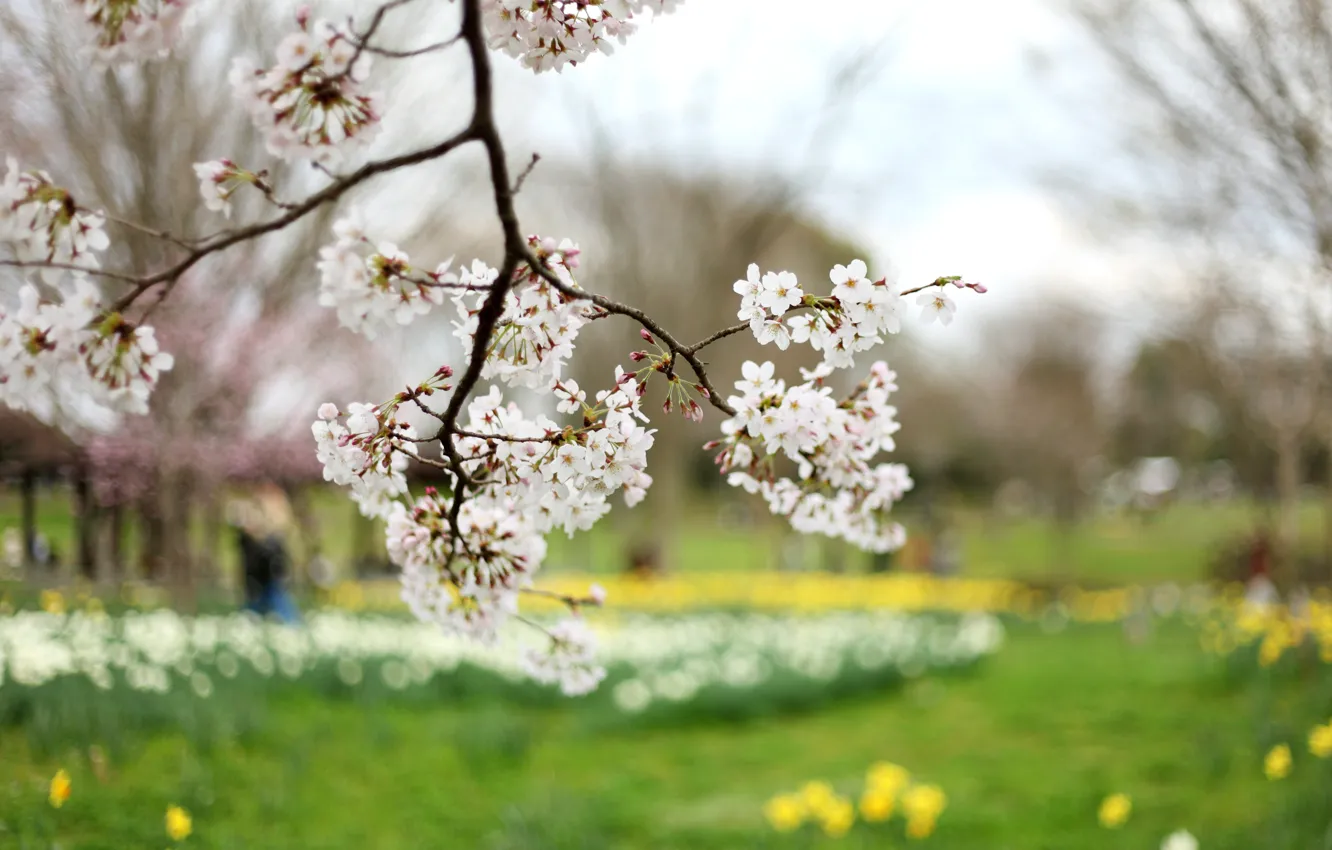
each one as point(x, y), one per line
point(518, 184)
point(47, 264)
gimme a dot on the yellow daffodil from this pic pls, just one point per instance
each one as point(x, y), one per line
point(179, 825)
point(816, 795)
point(837, 817)
point(52, 602)
point(919, 827)
point(887, 777)
point(1115, 810)
point(1320, 740)
point(60, 786)
point(923, 802)
point(1270, 651)
point(1277, 763)
point(785, 812)
point(876, 805)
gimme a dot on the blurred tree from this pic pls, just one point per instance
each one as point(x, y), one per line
point(1234, 154)
point(252, 361)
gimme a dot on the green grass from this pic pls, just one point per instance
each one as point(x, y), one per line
point(1175, 546)
point(1026, 750)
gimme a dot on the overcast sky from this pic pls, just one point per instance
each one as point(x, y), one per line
point(939, 156)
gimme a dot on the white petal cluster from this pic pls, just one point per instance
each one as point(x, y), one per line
point(549, 34)
point(65, 348)
point(374, 286)
point(535, 335)
point(655, 660)
point(130, 30)
point(369, 454)
point(42, 223)
point(851, 319)
point(218, 181)
point(468, 585)
point(538, 477)
point(838, 490)
point(310, 105)
point(570, 660)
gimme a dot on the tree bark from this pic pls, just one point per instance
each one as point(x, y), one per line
point(115, 531)
point(85, 519)
point(210, 559)
point(28, 508)
point(1288, 500)
point(151, 543)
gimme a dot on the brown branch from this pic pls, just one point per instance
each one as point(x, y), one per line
point(326, 195)
point(156, 234)
point(518, 184)
point(408, 54)
point(643, 319)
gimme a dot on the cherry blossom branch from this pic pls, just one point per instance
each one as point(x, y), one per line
point(156, 234)
point(298, 211)
point(643, 319)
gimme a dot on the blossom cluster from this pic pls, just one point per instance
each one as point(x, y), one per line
point(218, 181)
point(570, 659)
point(130, 30)
point(368, 453)
point(850, 320)
point(66, 348)
point(549, 34)
point(43, 223)
point(310, 105)
point(535, 335)
point(374, 285)
point(837, 489)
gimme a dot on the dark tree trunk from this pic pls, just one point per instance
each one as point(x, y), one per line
point(152, 561)
point(115, 532)
point(85, 518)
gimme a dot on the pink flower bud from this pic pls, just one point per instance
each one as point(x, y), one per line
point(710, 445)
point(645, 335)
point(303, 15)
point(431, 492)
point(638, 355)
point(979, 288)
point(703, 391)
point(445, 371)
point(666, 407)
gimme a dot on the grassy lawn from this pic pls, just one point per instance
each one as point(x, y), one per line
point(1026, 747)
point(1111, 549)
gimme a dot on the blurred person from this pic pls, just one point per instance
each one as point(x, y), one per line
point(262, 522)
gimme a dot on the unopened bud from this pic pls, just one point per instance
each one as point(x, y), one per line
point(703, 391)
point(710, 445)
point(638, 356)
point(431, 492)
point(445, 371)
point(303, 15)
point(645, 335)
point(666, 406)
